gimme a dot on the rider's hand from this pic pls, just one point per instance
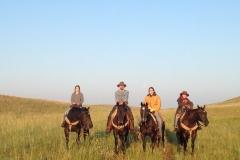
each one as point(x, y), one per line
point(152, 110)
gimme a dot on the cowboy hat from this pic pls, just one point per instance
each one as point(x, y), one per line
point(184, 92)
point(122, 84)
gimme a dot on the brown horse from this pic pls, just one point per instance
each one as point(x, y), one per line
point(147, 127)
point(120, 125)
point(187, 126)
point(77, 119)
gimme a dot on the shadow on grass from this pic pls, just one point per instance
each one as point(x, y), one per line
point(171, 137)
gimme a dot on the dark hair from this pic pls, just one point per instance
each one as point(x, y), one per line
point(77, 86)
point(154, 93)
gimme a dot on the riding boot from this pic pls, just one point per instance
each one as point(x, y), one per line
point(175, 124)
point(63, 123)
point(157, 129)
point(131, 120)
point(109, 125)
point(138, 133)
point(199, 125)
point(109, 122)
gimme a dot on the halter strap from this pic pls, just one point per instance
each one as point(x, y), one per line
point(114, 125)
point(187, 128)
point(71, 123)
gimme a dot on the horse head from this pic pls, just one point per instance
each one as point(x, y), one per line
point(144, 111)
point(121, 113)
point(202, 115)
point(86, 118)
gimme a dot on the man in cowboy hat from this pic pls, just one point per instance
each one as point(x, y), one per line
point(183, 104)
point(121, 96)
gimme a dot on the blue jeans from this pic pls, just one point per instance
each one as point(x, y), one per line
point(158, 120)
point(66, 113)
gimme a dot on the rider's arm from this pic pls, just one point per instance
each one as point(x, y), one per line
point(116, 97)
point(158, 102)
point(190, 103)
point(81, 99)
point(126, 96)
point(72, 99)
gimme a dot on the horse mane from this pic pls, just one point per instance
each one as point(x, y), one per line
point(75, 110)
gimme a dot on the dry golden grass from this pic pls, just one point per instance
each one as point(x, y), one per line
point(30, 129)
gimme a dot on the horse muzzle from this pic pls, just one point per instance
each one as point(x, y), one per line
point(206, 123)
point(144, 119)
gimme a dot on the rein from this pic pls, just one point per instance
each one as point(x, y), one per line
point(153, 117)
point(187, 128)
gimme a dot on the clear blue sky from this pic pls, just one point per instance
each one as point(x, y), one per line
point(47, 47)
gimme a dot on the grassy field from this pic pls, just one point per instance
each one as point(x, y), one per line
point(30, 129)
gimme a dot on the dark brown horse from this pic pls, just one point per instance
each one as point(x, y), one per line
point(187, 126)
point(147, 127)
point(120, 124)
point(77, 119)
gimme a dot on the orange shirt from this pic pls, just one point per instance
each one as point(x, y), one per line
point(154, 102)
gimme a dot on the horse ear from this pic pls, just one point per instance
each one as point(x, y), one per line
point(198, 106)
point(146, 104)
point(88, 108)
point(204, 107)
point(141, 104)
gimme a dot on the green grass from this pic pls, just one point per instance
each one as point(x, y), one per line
point(30, 129)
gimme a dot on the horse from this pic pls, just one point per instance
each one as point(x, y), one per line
point(77, 119)
point(120, 124)
point(187, 126)
point(147, 127)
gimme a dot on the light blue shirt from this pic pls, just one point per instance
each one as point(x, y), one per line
point(121, 96)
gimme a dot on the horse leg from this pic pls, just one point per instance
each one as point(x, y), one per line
point(153, 139)
point(67, 137)
point(85, 133)
point(179, 141)
point(78, 137)
point(144, 142)
point(163, 140)
point(116, 143)
point(158, 141)
point(192, 141)
point(123, 144)
point(126, 135)
point(185, 145)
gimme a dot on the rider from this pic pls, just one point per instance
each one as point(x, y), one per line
point(183, 103)
point(121, 96)
point(154, 104)
point(76, 101)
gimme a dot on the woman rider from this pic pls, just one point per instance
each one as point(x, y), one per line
point(76, 101)
point(154, 104)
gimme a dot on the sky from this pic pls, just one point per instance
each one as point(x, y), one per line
point(48, 47)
